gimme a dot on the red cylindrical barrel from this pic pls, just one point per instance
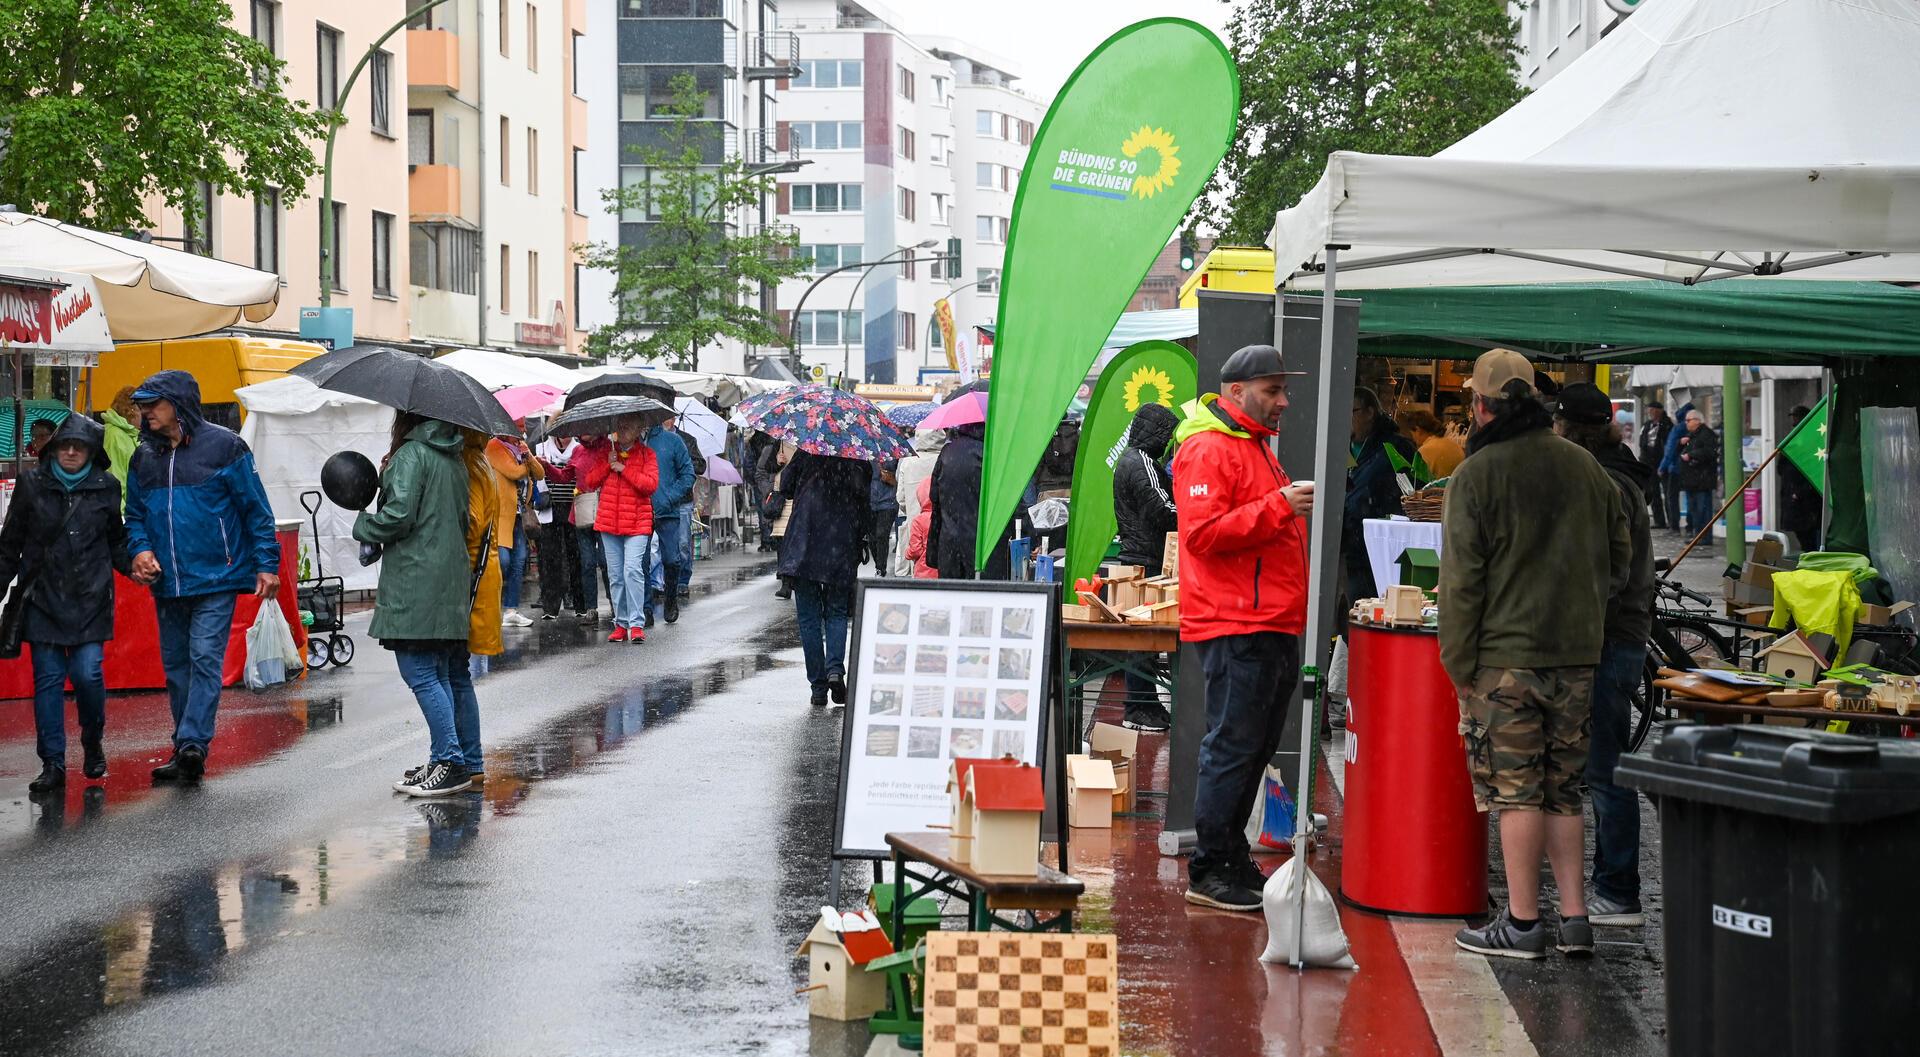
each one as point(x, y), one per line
point(1414, 843)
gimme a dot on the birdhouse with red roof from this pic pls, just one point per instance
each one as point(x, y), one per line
point(837, 952)
point(960, 820)
point(1007, 802)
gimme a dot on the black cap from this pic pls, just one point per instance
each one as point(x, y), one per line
point(1254, 361)
point(1583, 402)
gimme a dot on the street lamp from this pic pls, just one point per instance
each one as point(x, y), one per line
point(793, 329)
point(846, 339)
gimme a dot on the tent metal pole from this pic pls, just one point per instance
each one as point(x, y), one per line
point(1801, 266)
point(1322, 546)
point(1588, 266)
point(1696, 262)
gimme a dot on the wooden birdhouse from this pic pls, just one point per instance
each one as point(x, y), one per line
point(960, 820)
point(1090, 788)
point(1007, 802)
point(1792, 657)
point(837, 952)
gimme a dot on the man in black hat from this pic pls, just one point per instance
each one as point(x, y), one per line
point(1243, 603)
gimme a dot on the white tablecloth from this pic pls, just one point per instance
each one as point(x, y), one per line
point(1387, 540)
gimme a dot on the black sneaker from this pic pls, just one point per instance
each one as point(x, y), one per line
point(1150, 716)
point(52, 776)
point(442, 779)
point(1222, 892)
point(411, 777)
point(1501, 938)
point(587, 616)
point(550, 615)
point(95, 766)
point(784, 591)
point(193, 762)
point(1249, 876)
point(819, 699)
point(837, 688)
point(672, 608)
point(170, 771)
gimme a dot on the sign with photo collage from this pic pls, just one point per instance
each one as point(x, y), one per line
point(938, 670)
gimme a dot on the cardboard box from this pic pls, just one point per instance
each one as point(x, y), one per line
point(1746, 594)
point(1766, 551)
point(1091, 785)
point(1118, 746)
point(1876, 614)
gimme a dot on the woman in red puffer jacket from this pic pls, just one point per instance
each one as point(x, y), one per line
point(626, 478)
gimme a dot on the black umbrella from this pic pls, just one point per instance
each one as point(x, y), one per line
point(601, 415)
point(410, 383)
point(621, 383)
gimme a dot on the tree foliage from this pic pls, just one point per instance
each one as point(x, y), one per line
point(104, 103)
point(1381, 76)
point(690, 281)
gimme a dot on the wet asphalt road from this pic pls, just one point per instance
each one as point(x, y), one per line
point(651, 837)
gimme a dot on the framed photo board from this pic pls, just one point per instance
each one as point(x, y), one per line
point(939, 669)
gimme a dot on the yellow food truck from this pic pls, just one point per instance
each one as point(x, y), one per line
point(221, 363)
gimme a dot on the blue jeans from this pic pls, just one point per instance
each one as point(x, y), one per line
point(466, 712)
point(52, 665)
point(1616, 811)
point(1699, 508)
point(626, 577)
point(590, 563)
point(669, 535)
point(193, 650)
point(823, 611)
point(1249, 680)
point(429, 674)
point(513, 568)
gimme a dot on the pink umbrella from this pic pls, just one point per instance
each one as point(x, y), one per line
point(720, 471)
point(962, 410)
point(523, 400)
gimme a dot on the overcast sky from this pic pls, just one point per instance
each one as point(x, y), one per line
point(1047, 38)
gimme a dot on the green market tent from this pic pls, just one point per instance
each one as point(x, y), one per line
point(37, 411)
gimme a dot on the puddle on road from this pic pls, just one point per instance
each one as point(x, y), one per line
point(181, 939)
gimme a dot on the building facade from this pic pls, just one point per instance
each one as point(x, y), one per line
point(1553, 33)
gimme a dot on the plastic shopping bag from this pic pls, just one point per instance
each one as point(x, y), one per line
point(1323, 942)
point(271, 651)
point(1271, 824)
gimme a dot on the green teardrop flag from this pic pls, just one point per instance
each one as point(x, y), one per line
point(1806, 447)
point(1128, 145)
point(1148, 372)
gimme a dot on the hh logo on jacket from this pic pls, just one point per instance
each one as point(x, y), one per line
point(1198, 489)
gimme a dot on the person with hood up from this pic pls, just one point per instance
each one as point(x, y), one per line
point(1585, 417)
point(1144, 509)
point(1243, 601)
point(1383, 458)
point(423, 607)
point(625, 475)
point(911, 498)
point(670, 545)
point(64, 537)
point(825, 543)
point(122, 422)
point(916, 550)
point(201, 531)
point(955, 523)
point(1670, 467)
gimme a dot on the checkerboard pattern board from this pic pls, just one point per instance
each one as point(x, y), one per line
point(999, 994)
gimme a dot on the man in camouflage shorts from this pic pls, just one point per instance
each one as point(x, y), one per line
point(1534, 541)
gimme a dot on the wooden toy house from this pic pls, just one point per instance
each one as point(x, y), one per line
point(1405, 604)
point(1793, 657)
point(1090, 787)
point(1007, 802)
point(837, 952)
point(1420, 567)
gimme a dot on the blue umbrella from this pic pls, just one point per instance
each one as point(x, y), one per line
point(825, 421)
point(909, 416)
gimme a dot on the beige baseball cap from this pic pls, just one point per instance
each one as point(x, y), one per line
point(1496, 367)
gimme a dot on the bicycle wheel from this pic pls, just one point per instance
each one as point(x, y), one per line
point(1645, 700)
point(1697, 640)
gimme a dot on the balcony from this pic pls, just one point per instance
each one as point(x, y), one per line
point(433, 59)
point(765, 147)
point(433, 191)
point(771, 56)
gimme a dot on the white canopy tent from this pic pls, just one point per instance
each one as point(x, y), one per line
point(149, 292)
point(293, 426)
point(498, 370)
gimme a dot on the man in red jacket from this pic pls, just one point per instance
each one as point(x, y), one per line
point(1243, 572)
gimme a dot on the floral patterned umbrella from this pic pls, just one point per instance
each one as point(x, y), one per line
point(909, 416)
point(825, 421)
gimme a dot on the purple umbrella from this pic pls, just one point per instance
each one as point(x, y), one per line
point(720, 471)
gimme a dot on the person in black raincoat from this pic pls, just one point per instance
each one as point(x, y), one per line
point(64, 536)
point(820, 556)
point(1144, 509)
point(955, 522)
point(1382, 457)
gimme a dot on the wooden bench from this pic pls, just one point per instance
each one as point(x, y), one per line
point(1047, 890)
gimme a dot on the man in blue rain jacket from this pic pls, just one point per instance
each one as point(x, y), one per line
point(201, 533)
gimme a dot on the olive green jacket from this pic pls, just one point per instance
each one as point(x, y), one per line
point(421, 526)
point(1533, 544)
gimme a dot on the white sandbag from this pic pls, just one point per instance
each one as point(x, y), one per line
point(1324, 943)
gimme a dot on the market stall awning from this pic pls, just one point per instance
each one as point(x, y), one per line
point(1167, 324)
point(150, 293)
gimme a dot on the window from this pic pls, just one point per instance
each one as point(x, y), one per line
point(907, 329)
point(906, 203)
point(1009, 178)
point(506, 280)
point(533, 38)
point(825, 198)
point(201, 230)
point(906, 142)
point(380, 91)
point(984, 123)
point(383, 254)
point(266, 231)
point(506, 41)
point(827, 73)
point(825, 135)
point(446, 16)
point(266, 24)
point(936, 340)
point(506, 153)
point(987, 278)
point(828, 327)
point(339, 244)
point(908, 266)
point(575, 44)
point(444, 257)
point(420, 137)
point(579, 271)
point(533, 160)
point(575, 174)
point(984, 176)
point(937, 148)
point(906, 84)
point(1025, 132)
point(939, 208)
point(533, 284)
point(327, 51)
point(827, 256)
point(672, 9)
point(990, 229)
point(940, 92)
point(646, 92)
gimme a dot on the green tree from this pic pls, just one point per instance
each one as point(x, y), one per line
point(104, 103)
point(1380, 76)
point(690, 282)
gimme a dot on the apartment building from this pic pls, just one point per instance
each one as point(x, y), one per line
point(628, 55)
point(1553, 33)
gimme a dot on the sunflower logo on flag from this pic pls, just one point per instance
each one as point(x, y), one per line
point(1155, 380)
point(1160, 142)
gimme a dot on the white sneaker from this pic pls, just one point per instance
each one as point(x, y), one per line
point(512, 619)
